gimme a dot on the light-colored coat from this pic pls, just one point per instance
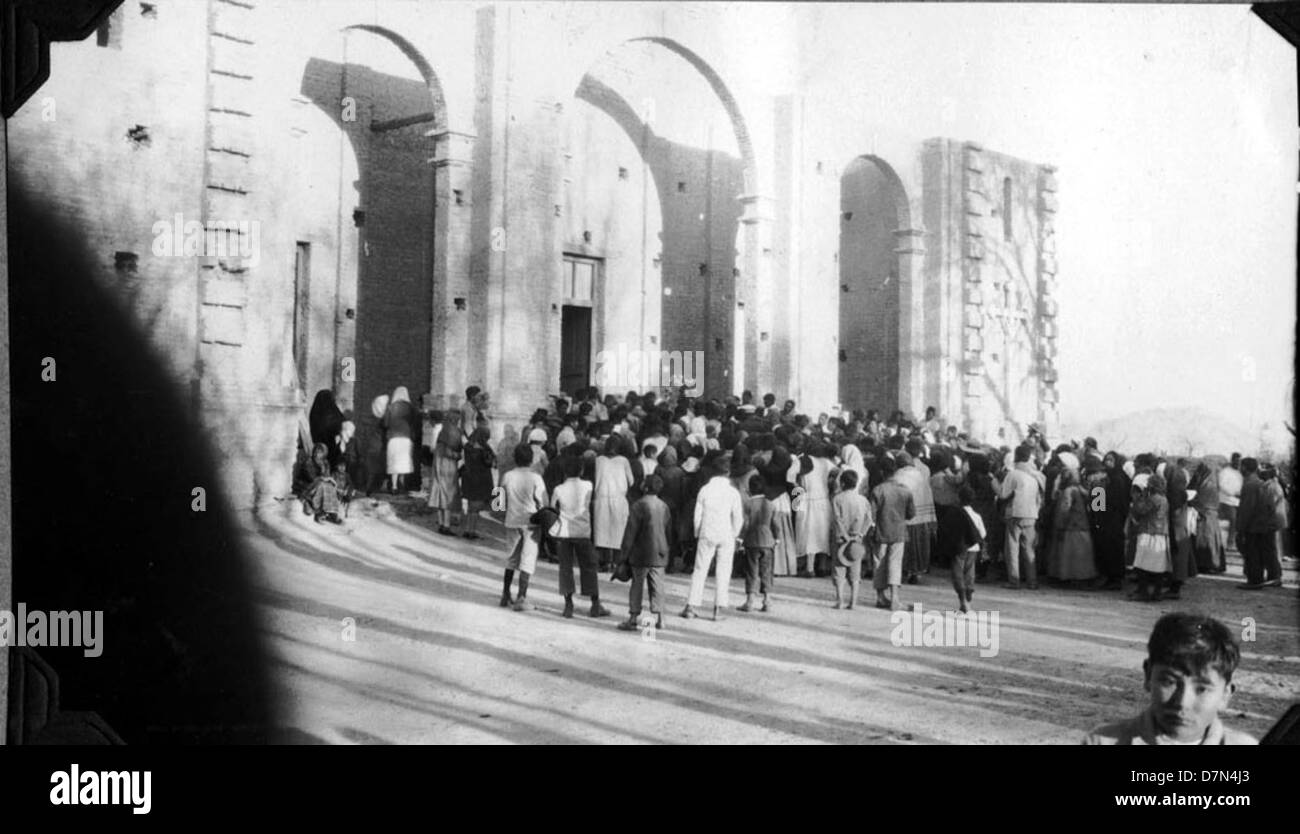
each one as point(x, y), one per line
point(609, 508)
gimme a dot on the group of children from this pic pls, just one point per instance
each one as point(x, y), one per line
point(869, 527)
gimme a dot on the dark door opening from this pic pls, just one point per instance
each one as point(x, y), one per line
point(301, 312)
point(575, 348)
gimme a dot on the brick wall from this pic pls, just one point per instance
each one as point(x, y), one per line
point(869, 308)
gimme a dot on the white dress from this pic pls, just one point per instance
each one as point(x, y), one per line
point(609, 507)
point(813, 519)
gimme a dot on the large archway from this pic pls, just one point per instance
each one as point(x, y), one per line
point(368, 236)
point(657, 158)
point(873, 209)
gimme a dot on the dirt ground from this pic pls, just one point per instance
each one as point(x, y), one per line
point(433, 659)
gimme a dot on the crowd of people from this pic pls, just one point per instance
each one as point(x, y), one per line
point(658, 483)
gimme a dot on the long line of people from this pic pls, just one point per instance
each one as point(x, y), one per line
point(658, 484)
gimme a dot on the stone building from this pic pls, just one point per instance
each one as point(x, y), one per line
point(509, 195)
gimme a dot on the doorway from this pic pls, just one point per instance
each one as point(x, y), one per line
point(301, 313)
point(580, 277)
point(575, 348)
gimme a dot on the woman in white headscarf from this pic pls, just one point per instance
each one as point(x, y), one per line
point(397, 423)
point(851, 460)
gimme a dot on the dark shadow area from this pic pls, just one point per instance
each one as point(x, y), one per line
point(105, 459)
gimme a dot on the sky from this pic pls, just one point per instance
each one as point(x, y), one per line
point(1174, 130)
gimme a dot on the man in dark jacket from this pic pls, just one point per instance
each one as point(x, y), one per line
point(645, 541)
point(1257, 526)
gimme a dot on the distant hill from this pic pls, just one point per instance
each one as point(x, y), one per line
point(1179, 431)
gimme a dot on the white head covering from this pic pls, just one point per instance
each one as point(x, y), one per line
point(1129, 468)
point(537, 436)
point(379, 406)
point(1141, 480)
point(1069, 460)
point(400, 395)
point(852, 457)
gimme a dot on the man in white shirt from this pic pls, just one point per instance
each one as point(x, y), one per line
point(1230, 482)
point(719, 518)
point(1022, 490)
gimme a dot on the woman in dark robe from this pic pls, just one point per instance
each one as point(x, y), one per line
point(476, 478)
point(326, 421)
point(1107, 518)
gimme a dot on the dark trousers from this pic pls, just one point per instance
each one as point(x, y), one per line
point(758, 570)
point(1259, 552)
point(963, 574)
point(580, 551)
point(654, 578)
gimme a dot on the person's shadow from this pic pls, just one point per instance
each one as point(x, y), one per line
point(106, 457)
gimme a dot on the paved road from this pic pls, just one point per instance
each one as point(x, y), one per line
point(434, 660)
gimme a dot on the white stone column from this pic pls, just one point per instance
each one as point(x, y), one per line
point(757, 292)
point(453, 206)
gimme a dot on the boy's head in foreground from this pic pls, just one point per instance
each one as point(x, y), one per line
point(1189, 667)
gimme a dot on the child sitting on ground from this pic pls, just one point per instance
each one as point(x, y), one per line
point(1188, 671)
point(321, 498)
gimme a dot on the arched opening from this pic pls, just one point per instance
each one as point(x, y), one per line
point(366, 203)
point(873, 208)
point(657, 157)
